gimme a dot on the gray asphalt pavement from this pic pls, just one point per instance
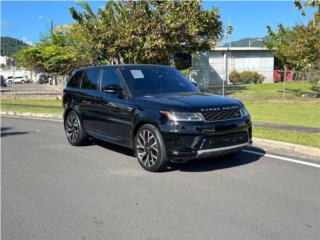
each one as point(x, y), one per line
point(51, 190)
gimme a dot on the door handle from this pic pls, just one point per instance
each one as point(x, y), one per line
point(85, 101)
point(112, 105)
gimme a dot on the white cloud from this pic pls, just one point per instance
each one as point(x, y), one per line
point(26, 40)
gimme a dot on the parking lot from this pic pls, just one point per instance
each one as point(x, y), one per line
point(51, 190)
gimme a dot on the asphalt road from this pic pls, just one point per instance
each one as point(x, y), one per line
point(51, 190)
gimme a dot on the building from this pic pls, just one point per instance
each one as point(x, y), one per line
point(6, 61)
point(212, 67)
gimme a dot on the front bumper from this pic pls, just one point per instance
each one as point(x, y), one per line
point(189, 140)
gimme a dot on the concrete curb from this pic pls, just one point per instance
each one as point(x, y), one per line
point(269, 145)
point(286, 148)
point(32, 115)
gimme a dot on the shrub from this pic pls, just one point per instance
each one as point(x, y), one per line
point(234, 77)
point(245, 77)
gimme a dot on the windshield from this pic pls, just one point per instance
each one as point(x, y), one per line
point(148, 80)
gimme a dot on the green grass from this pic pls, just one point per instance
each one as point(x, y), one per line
point(266, 103)
point(272, 92)
point(33, 102)
point(27, 108)
point(307, 139)
point(296, 113)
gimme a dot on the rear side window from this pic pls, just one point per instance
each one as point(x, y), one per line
point(75, 80)
point(90, 79)
point(109, 79)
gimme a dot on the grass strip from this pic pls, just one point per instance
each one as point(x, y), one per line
point(44, 102)
point(295, 114)
point(307, 139)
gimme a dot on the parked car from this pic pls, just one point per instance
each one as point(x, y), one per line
point(3, 81)
point(154, 110)
point(18, 79)
point(42, 78)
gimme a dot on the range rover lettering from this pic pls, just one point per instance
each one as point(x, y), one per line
point(154, 110)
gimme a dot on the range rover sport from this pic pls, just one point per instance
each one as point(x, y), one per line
point(154, 110)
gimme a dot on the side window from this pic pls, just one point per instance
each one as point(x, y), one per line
point(75, 80)
point(90, 78)
point(109, 79)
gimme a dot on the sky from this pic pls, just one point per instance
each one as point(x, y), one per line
point(21, 19)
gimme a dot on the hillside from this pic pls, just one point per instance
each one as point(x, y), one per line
point(245, 43)
point(10, 46)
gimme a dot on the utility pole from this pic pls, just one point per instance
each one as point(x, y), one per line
point(284, 81)
point(228, 36)
point(51, 25)
point(50, 21)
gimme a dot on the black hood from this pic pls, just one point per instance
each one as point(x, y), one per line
point(194, 102)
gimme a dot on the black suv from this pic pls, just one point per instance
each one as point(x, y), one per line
point(154, 110)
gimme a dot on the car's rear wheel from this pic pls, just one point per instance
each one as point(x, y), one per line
point(74, 130)
point(22, 81)
point(150, 149)
point(10, 82)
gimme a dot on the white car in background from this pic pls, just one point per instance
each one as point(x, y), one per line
point(18, 79)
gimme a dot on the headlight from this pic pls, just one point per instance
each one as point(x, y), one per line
point(244, 112)
point(182, 116)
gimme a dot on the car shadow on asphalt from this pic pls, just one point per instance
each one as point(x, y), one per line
point(199, 165)
point(216, 163)
point(5, 133)
point(113, 147)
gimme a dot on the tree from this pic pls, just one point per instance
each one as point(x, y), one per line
point(50, 58)
point(145, 31)
point(309, 3)
point(125, 32)
point(299, 46)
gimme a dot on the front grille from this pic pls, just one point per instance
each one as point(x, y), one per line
point(221, 114)
point(225, 140)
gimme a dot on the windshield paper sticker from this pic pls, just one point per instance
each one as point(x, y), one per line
point(137, 74)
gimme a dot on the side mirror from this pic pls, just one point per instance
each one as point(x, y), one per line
point(113, 89)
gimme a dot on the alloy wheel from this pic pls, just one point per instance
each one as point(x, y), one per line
point(147, 148)
point(72, 127)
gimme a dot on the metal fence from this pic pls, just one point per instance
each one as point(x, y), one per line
point(215, 82)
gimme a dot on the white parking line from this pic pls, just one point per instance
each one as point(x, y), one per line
point(283, 158)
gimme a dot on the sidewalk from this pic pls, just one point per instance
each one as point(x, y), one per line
point(287, 127)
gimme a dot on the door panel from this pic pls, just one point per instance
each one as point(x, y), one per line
point(87, 96)
point(87, 108)
point(115, 116)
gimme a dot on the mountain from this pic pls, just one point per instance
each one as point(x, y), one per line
point(255, 42)
point(10, 46)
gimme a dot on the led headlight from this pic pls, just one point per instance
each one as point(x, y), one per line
point(182, 116)
point(244, 112)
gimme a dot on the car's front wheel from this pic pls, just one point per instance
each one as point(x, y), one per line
point(74, 130)
point(150, 149)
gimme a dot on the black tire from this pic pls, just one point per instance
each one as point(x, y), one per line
point(150, 149)
point(74, 130)
point(22, 81)
point(9, 82)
